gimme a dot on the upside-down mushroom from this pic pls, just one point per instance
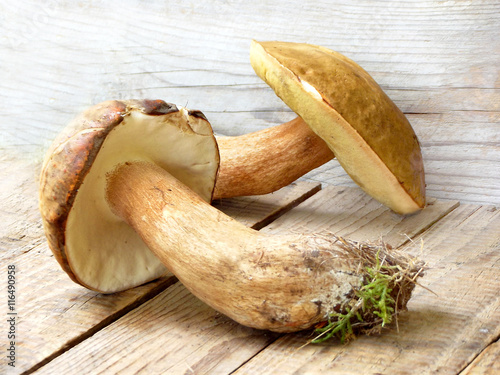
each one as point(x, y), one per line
point(124, 194)
point(341, 103)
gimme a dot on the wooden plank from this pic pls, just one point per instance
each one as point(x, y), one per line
point(175, 333)
point(488, 362)
point(21, 228)
point(440, 333)
point(351, 213)
point(257, 213)
point(163, 337)
point(470, 175)
point(55, 314)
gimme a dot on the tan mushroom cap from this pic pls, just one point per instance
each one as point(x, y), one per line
point(96, 248)
point(342, 103)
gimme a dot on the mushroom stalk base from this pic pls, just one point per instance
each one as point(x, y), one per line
point(280, 283)
point(267, 160)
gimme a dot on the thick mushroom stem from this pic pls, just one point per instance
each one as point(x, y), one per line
point(280, 283)
point(267, 160)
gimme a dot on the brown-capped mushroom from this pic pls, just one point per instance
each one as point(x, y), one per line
point(344, 106)
point(111, 191)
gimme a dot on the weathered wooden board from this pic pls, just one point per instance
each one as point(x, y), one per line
point(438, 60)
point(175, 333)
point(166, 336)
point(21, 227)
point(54, 313)
point(257, 212)
point(488, 362)
point(440, 333)
point(351, 213)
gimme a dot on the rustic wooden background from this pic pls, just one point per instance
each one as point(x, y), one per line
point(438, 60)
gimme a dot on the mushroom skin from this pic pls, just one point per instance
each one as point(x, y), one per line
point(65, 166)
point(282, 283)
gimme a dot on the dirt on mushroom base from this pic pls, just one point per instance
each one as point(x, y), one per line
point(389, 279)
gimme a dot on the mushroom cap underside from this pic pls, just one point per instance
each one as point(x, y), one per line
point(96, 248)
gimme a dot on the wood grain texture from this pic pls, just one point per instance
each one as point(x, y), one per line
point(451, 172)
point(439, 61)
point(257, 212)
point(21, 226)
point(178, 338)
point(175, 333)
point(442, 332)
point(348, 212)
point(488, 362)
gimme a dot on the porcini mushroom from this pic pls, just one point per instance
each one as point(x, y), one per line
point(111, 189)
point(344, 106)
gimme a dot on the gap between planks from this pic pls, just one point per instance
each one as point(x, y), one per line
point(487, 362)
point(176, 333)
point(59, 314)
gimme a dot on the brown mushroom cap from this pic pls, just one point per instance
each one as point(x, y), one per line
point(96, 248)
point(341, 102)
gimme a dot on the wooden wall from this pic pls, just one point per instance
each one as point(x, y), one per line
point(438, 60)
